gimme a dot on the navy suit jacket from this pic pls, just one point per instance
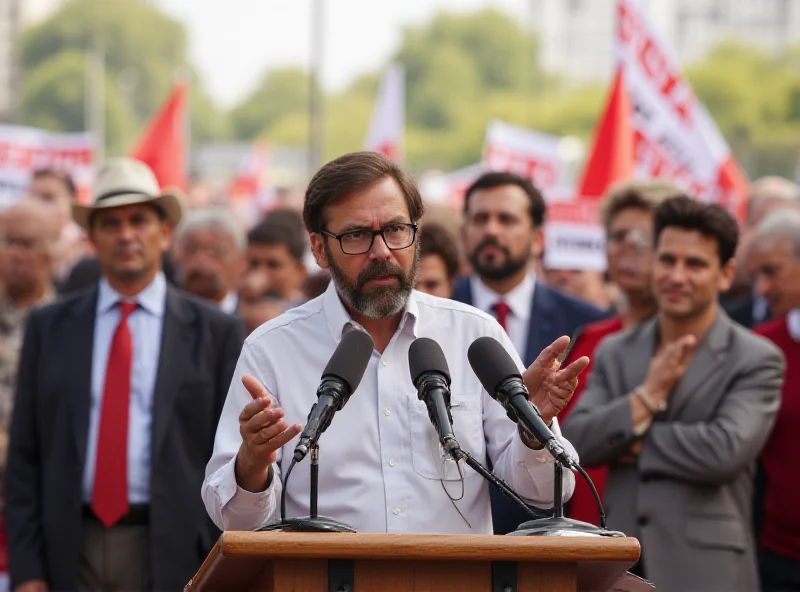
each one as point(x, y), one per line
point(553, 314)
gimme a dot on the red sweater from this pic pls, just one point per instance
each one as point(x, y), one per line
point(582, 505)
point(781, 531)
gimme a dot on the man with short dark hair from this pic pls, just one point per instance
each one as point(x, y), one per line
point(276, 248)
point(679, 408)
point(439, 260)
point(117, 400)
point(504, 214)
point(386, 471)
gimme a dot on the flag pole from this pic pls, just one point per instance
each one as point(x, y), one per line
point(315, 120)
point(94, 97)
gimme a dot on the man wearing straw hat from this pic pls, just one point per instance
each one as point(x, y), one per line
point(119, 393)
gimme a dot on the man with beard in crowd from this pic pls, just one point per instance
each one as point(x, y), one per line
point(504, 214)
point(209, 251)
point(385, 471)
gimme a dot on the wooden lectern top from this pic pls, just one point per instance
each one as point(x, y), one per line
point(239, 558)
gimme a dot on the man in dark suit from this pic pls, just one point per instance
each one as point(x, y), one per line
point(504, 214)
point(119, 393)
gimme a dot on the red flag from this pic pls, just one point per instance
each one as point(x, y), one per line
point(612, 158)
point(163, 145)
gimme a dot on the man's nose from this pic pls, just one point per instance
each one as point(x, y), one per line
point(380, 250)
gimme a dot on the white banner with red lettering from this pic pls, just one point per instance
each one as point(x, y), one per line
point(528, 153)
point(23, 150)
point(674, 136)
point(574, 237)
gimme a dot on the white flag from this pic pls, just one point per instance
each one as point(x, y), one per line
point(387, 127)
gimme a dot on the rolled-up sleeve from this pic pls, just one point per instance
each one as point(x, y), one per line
point(228, 505)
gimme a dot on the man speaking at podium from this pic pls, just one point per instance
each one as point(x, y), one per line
point(381, 468)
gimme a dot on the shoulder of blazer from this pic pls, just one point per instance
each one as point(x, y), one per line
point(188, 307)
point(80, 302)
point(462, 292)
point(580, 312)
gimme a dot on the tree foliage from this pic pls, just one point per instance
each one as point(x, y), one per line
point(144, 51)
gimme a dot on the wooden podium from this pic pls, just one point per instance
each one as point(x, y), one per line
point(307, 562)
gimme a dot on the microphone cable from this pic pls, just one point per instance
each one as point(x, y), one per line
point(285, 487)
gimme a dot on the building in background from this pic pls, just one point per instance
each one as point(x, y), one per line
point(577, 36)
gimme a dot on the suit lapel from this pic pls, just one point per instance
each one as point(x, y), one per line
point(79, 334)
point(176, 350)
point(540, 325)
point(708, 358)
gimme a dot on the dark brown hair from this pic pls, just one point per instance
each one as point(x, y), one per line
point(709, 220)
point(491, 180)
point(353, 172)
point(435, 239)
point(641, 194)
point(63, 176)
point(281, 227)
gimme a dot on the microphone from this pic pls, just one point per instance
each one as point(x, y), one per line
point(501, 378)
point(431, 378)
point(340, 378)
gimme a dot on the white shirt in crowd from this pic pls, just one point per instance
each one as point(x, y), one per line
point(519, 300)
point(381, 468)
point(793, 323)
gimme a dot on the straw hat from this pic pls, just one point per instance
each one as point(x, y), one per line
point(126, 181)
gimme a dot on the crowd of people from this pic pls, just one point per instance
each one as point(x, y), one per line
point(156, 358)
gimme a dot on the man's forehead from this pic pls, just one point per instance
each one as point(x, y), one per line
point(501, 198)
point(686, 240)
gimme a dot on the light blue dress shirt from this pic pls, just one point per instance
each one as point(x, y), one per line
point(146, 323)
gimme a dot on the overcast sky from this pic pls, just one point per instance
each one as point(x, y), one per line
point(234, 41)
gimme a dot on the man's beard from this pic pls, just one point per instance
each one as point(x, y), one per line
point(381, 301)
point(496, 270)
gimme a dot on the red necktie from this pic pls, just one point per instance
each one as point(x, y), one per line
point(501, 310)
point(110, 495)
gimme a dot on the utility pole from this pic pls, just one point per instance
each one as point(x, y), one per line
point(94, 104)
point(315, 121)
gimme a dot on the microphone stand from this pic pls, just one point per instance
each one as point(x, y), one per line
point(558, 524)
point(313, 522)
point(497, 482)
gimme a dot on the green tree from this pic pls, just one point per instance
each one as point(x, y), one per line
point(281, 93)
point(52, 97)
point(755, 100)
point(143, 50)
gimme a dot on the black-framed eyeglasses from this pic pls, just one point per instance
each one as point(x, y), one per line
point(357, 242)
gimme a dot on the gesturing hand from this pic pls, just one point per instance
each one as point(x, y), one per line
point(263, 432)
point(668, 366)
point(550, 386)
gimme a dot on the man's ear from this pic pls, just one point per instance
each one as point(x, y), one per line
point(318, 249)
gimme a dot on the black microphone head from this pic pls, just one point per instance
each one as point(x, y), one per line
point(425, 355)
point(350, 359)
point(491, 363)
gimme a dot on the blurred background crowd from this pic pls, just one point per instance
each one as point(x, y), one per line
point(518, 96)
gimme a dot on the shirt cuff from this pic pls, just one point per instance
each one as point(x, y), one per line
point(242, 509)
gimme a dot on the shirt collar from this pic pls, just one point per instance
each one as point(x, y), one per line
point(793, 323)
point(229, 303)
point(152, 298)
point(339, 320)
point(518, 299)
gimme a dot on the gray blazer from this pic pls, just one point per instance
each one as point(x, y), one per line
point(688, 499)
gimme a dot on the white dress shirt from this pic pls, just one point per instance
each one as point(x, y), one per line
point(146, 323)
point(381, 468)
point(793, 323)
point(230, 303)
point(519, 300)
